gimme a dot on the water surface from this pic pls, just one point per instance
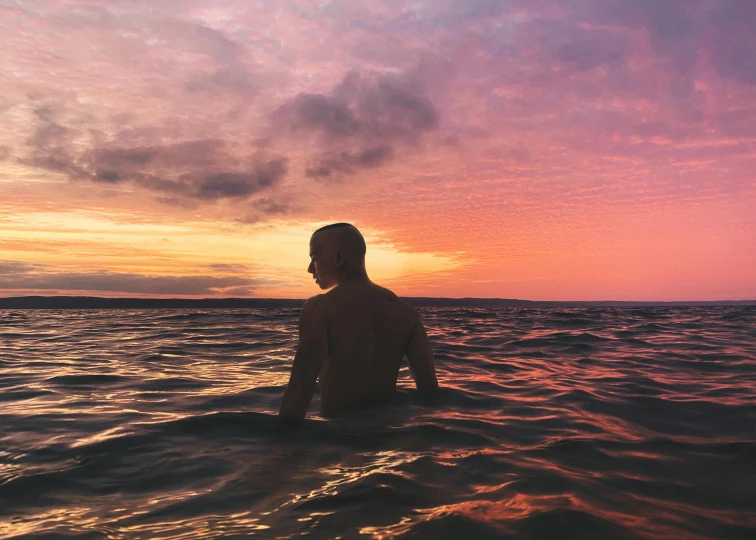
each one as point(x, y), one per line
point(551, 423)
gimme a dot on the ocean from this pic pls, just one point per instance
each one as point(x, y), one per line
point(584, 423)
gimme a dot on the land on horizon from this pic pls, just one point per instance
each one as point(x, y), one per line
point(95, 302)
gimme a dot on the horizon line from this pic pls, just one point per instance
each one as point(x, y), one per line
point(464, 298)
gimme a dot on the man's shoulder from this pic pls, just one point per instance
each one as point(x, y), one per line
point(314, 301)
point(314, 305)
point(406, 305)
point(400, 305)
point(313, 312)
point(388, 294)
point(336, 298)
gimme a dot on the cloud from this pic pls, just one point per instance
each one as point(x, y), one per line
point(680, 33)
point(318, 112)
point(50, 144)
point(10, 268)
point(369, 116)
point(224, 80)
point(202, 170)
point(669, 23)
point(17, 275)
point(555, 89)
point(734, 40)
point(380, 108)
point(264, 208)
point(595, 48)
point(173, 97)
point(225, 268)
point(348, 162)
point(237, 185)
point(185, 125)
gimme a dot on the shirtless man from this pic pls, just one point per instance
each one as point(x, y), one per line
point(355, 336)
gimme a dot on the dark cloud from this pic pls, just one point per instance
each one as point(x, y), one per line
point(50, 144)
point(204, 153)
point(361, 122)
point(315, 111)
point(264, 208)
point(238, 185)
point(349, 162)
point(212, 186)
point(202, 170)
point(57, 163)
point(370, 109)
point(21, 276)
point(274, 207)
point(49, 133)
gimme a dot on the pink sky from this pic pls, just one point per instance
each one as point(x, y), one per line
point(546, 150)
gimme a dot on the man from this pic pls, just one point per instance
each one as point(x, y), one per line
point(355, 336)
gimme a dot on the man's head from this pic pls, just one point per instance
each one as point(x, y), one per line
point(337, 252)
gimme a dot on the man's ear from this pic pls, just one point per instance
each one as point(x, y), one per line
point(340, 258)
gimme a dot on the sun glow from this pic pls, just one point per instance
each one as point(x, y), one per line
point(274, 254)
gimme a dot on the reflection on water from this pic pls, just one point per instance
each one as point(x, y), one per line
point(551, 423)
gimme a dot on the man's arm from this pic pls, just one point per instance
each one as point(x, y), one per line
point(311, 353)
point(420, 358)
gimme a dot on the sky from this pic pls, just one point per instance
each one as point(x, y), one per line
point(532, 149)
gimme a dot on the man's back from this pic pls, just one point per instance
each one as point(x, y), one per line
point(369, 332)
point(353, 337)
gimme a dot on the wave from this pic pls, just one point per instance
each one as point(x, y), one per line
point(581, 422)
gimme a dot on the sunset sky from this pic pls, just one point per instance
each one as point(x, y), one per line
point(533, 149)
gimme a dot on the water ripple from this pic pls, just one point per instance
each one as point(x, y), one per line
point(569, 423)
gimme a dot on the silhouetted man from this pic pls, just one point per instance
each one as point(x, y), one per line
point(355, 336)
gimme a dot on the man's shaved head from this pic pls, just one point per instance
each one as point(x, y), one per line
point(343, 237)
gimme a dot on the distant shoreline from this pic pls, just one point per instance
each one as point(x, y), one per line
point(94, 302)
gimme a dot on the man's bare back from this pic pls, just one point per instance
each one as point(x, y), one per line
point(369, 332)
point(354, 338)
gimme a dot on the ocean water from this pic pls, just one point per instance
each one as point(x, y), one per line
point(600, 423)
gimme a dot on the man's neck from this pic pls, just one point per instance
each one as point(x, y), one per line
point(355, 275)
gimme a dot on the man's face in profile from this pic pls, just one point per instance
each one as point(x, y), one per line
point(322, 261)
